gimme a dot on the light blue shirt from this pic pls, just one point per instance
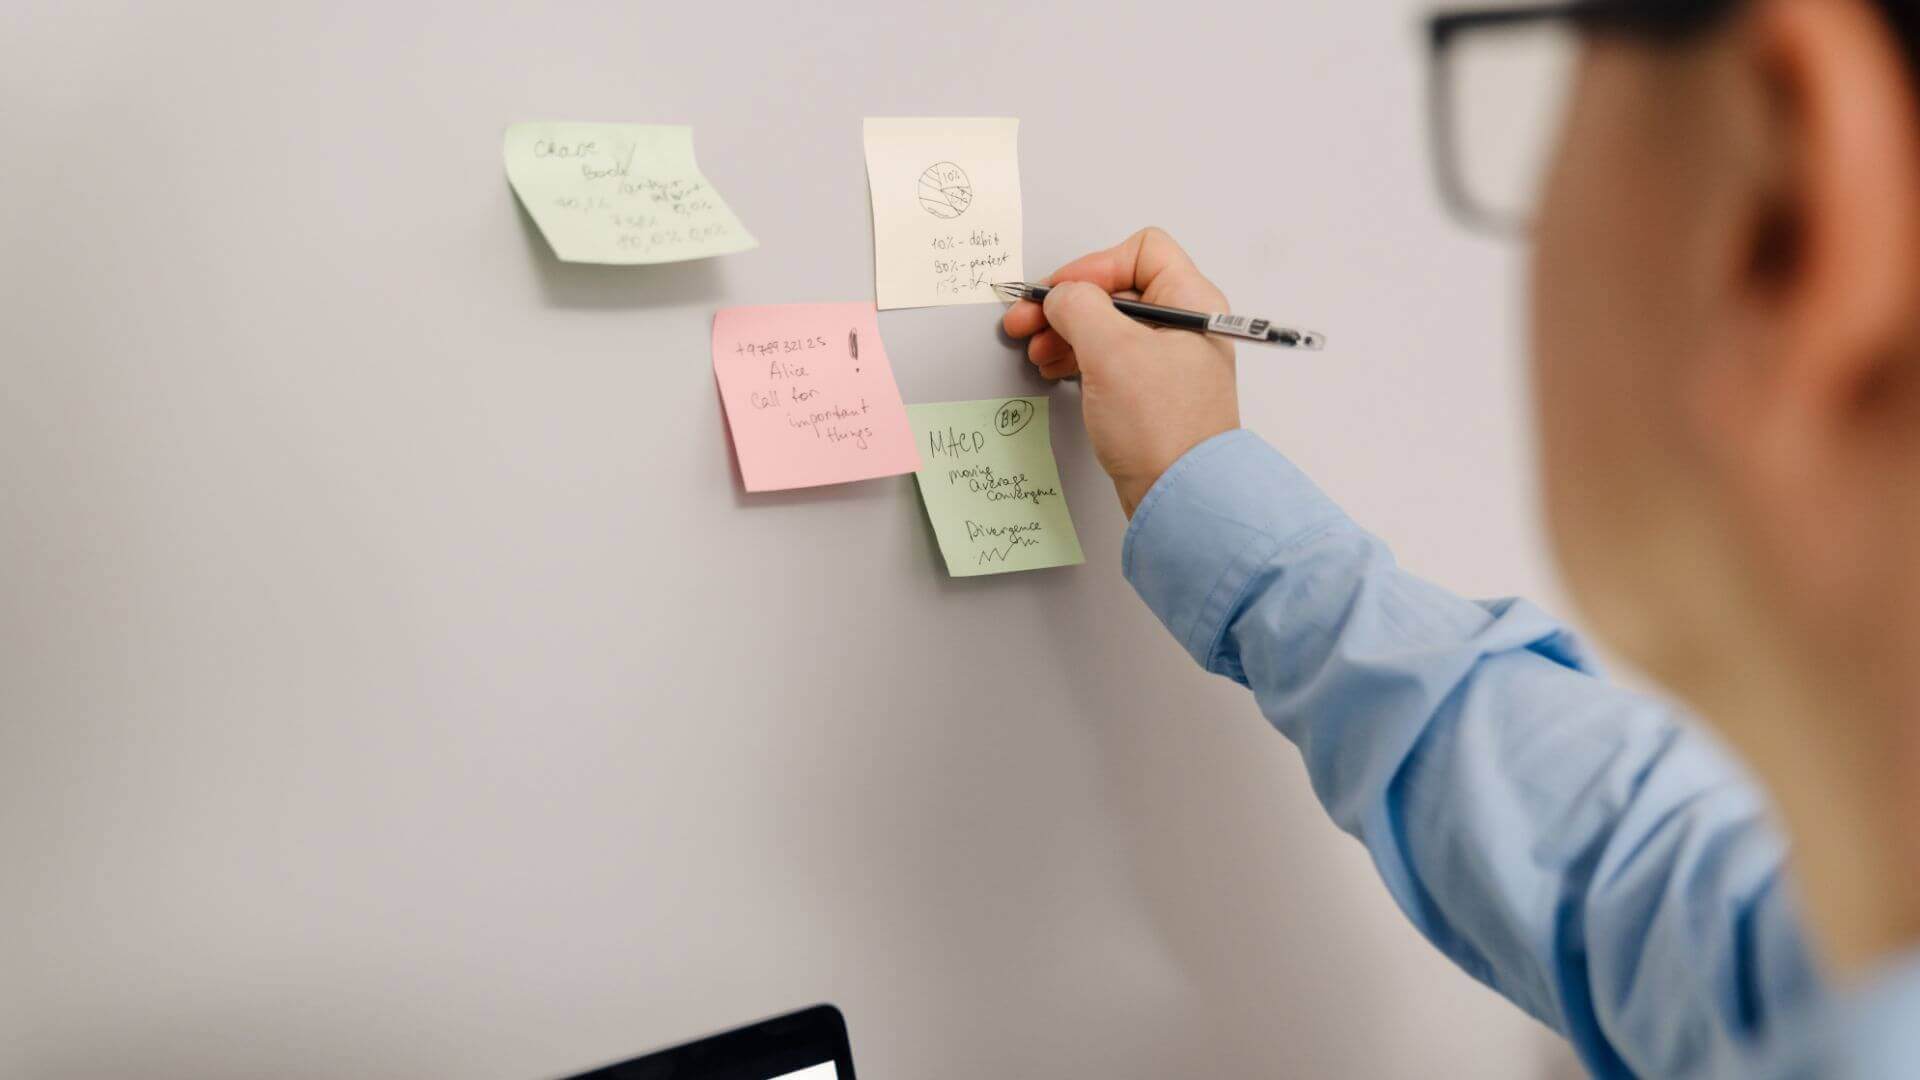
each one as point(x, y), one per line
point(1572, 844)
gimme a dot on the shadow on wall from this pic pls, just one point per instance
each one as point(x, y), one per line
point(590, 287)
point(293, 1033)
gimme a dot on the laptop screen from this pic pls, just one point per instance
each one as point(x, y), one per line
point(807, 1045)
point(822, 1071)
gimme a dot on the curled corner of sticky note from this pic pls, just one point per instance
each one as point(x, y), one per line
point(619, 194)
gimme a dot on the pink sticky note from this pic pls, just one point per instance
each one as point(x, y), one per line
point(810, 396)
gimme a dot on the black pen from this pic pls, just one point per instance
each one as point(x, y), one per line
point(1240, 326)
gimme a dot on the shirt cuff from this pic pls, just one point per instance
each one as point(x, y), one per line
point(1208, 525)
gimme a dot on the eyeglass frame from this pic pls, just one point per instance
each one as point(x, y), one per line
point(1661, 21)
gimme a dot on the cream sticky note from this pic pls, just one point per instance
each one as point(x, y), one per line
point(810, 396)
point(946, 208)
point(620, 194)
point(991, 486)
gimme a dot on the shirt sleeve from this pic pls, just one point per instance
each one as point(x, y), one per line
point(1876, 1037)
point(1566, 841)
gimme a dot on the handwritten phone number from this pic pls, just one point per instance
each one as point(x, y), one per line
point(780, 347)
point(647, 241)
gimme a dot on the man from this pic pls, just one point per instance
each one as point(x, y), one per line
point(1727, 378)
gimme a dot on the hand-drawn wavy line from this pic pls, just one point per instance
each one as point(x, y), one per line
point(996, 555)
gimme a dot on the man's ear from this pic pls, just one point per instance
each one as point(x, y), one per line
point(1822, 314)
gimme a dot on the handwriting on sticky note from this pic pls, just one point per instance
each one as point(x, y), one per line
point(810, 396)
point(992, 487)
point(621, 194)
point(946, 208)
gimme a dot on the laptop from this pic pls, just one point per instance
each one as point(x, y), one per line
point(807, 1045)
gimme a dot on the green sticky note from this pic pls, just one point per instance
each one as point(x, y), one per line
point(991, 486)
point(620, 194)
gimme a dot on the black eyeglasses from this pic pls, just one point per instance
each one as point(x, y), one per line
point(1499, 81)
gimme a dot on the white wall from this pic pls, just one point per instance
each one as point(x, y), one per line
point(394, 681)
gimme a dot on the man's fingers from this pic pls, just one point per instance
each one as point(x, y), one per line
point(1151, 262)
point(1023, 319)
point(1046, 347)
point(1061, 369)
point(1148, 265)
point(1026, 318)
point(1084, 315)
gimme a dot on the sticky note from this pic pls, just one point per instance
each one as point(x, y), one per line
point(620, 194)
point(809, 395)
point(946, 209)
point(991, 486)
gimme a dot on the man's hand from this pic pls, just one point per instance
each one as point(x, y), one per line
point(1149, 394)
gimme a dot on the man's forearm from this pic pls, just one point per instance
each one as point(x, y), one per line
point(1568, 842)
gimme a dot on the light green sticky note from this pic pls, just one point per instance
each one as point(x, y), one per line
point(991, 486)
point(621, 194)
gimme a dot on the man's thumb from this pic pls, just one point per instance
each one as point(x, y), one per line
point(1085, 316)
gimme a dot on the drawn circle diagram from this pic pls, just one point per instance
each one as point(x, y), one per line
point(945, 191)
point(1008, 419)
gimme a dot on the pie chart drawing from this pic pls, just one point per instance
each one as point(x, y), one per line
point(945, 191)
